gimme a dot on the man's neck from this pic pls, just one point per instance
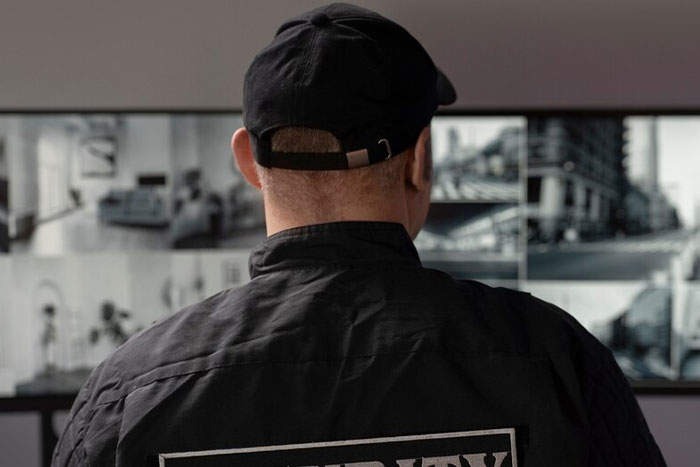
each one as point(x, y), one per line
point(277, 220)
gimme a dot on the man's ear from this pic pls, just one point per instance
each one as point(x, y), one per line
point(419, 163)
point(243, 153)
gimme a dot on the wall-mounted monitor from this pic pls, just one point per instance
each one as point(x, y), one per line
point(111, 221)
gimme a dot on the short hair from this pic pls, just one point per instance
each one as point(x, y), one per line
point(325, 193)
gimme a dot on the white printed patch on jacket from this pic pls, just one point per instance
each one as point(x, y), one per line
point(484, 448)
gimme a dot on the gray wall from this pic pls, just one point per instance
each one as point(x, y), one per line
point(506, 54)
point(501, 54)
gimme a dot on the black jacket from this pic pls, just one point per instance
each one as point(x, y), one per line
point(341, 334)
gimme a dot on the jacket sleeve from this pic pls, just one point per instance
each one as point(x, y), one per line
point(619, 433)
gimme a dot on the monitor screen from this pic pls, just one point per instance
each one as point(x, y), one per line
point(613, 217)
point(112, 221)
point(473, 229)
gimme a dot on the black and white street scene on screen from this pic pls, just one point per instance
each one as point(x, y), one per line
point(652, 327)
point(473, 227)
point(63, 315)
point(472, 240)
point(477, 159)
point(125, 182)
point(613, 198)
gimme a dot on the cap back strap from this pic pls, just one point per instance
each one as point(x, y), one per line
point(326, 160)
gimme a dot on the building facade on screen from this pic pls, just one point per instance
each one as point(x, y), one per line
point(575, 177)
point(578, 185)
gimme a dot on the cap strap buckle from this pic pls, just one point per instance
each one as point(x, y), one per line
point(364, 157)
point(388, 147)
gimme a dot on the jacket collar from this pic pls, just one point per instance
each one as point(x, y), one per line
point(352, 242)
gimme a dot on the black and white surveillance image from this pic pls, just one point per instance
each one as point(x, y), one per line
point(477, 159)
point(473, 227)
point(213, 207)
point(652, 328)
point(126, 182)
point(61, 316)
point(613, 198)
point(472, 240)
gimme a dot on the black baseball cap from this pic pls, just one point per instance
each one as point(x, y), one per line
point(346, 70)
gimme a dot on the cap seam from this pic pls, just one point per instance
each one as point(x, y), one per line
point(307, 53)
